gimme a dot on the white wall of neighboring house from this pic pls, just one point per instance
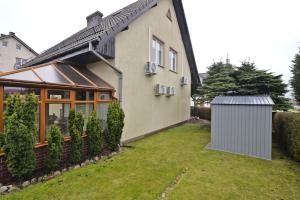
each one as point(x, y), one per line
point(144, 111)
point(9, 53)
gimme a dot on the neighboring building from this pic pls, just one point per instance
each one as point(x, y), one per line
point(13, 52)
point(295, 104)
point(202, 76)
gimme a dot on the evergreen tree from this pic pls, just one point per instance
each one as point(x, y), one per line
point(19, 135)
point(29, 111)
point(115, 123)
point(76, 123)
point(55, 147)
point(218, 82)
point(224, 79)
point(95, 135)
point(295, 81)
point(251, 81)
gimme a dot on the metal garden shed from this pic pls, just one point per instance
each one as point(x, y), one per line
point(242, 125)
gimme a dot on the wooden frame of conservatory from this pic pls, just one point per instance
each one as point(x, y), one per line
point(43, 101)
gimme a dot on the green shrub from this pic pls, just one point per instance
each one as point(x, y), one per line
point(19, 148)
point(79, 122)
point(19, 134)
point(76, 146)
point(13, 104)
point(71, 118)
point(115, 123)
point(201, 112)
point(76, 123)
point(287, 133)
point(95, 135)
point(29, 110)
point(55, 148)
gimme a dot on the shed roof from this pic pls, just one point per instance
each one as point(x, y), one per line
point(242, 100)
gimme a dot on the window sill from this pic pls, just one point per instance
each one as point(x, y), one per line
point(173, 71)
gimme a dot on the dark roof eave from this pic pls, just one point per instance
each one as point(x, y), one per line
point(184, 30)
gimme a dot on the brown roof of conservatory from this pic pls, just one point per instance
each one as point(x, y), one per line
point(55, 73)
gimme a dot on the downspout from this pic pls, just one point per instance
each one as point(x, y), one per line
point(120, 73)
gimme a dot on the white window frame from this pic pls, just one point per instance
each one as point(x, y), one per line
point(4, 42)
point(157, 51)
point(19, 62)
point(18, 47)
point(173, 60)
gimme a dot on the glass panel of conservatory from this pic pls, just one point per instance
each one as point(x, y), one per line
point(58, 94)
point(51, 75)
point(37, 123)
point(104, 96)
point(58, 114)
point(27, 75)
point(83, 95)
point(22, 91)
point(102, 109)
point(86, 109)
point(73, 75)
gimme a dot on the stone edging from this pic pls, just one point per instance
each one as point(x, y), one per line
point(4, 189)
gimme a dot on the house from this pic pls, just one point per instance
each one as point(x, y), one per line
point(202, 76)
point(13, 52)
point(141, 55)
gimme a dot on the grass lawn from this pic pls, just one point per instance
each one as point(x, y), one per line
point(147, 169)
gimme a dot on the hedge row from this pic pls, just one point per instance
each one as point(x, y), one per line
point(201, 112)
point(287, 133)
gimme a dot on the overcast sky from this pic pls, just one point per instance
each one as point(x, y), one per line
point(266, 31)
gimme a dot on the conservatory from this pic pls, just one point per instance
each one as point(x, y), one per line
point(59, 87)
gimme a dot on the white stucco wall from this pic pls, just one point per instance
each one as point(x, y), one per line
point(9, 54)
point(144, 111)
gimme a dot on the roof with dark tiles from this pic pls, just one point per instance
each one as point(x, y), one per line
point(113, 24)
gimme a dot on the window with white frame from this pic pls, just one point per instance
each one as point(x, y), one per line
point(19, 62)
point(157, 52)
point(18, 46)
point(4, 43)
point(173, 60)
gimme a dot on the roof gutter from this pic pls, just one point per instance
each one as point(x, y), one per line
point(119, 72)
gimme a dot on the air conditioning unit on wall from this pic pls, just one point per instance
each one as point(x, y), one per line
point(170, 91)
point(150, 69)
point(183, 80)
point(159, 89)
point(173, 91)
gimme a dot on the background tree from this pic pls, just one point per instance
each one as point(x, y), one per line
point(95, 135)
point(55, 148)
point(115, 123)
point(224, 79)
point(218, 82)
point(295, 81)
point(251, 81)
